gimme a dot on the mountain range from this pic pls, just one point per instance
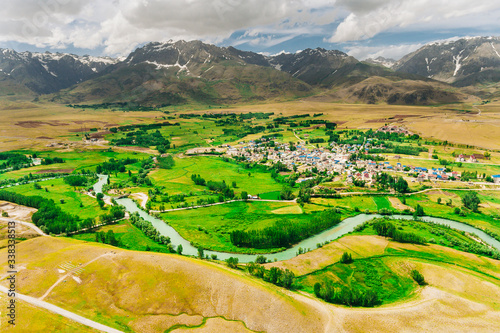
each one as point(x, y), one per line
point(195, 72)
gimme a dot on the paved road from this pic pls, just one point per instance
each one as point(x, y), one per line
point(28, 224)
point(62, 312)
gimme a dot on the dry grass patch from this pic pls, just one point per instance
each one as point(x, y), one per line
point(32, 319)
point(161, 323)
point(434, 311)
point(397, 204)
point(216, 325)
point(17, 212)
point(120, 288)
point(358, 246)
point(295, 209)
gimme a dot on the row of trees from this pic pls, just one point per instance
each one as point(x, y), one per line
point(149, 230)
point(52, 160)
point(346, 295)
point(13, 160)
point(114, 165)
point(107, 238)
point(285, 233)
point(222, 188)
point(78, 180)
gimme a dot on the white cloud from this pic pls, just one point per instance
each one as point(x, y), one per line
point(122, 24)
point(371, 17)
point(118, 26)
point(387, 51)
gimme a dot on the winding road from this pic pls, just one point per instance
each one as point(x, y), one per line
point(62, 312)
point(28, 224)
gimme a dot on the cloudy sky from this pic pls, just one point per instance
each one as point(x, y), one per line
point(362, 28)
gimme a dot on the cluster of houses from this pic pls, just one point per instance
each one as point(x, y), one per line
point(336, 158)
point(469, 158)
point(394, 129)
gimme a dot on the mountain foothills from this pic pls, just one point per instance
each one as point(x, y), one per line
point(176, 73)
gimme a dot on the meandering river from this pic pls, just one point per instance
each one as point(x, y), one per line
point(339, 230)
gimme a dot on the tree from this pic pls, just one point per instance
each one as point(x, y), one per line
point(418, 277)
point(346, 258)
point(233, 184)
point(244, 195)
point(471, 201)
point(179, 249)
point(401, 185)
point(166, 162)
point(232, 262)
point(286, 194)
point(261, 259)
point(201, 253)
point(419, 211)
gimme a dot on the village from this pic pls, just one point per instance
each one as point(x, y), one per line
point(341, 160)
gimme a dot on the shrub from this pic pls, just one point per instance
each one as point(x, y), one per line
point(418, 277)
point(346, 258)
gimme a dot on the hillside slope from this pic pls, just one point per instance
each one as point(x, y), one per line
point(152, 292)
point(377, 89)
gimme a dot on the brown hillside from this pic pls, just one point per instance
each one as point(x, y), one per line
point(403, 92)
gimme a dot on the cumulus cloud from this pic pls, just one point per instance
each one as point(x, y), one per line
point(371, 17)
point(118, 26)
point(122, 24)
point(387, 51)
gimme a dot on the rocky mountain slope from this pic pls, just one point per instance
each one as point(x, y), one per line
point(183, 72)
point(47, 72)
point(464, 62)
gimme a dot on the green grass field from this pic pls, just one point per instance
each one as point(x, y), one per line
point(382, 202)
point(129, 236)
point(85, 159)
point(58, 190)
point(366, 273)
point(210, 227)
point(178, 179)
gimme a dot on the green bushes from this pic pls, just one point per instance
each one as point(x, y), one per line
point(346, 295)
point(419, 278)
point(275, 275)
point(346, 258)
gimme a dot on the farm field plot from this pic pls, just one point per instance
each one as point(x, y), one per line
point(486, 218)
point(73, 161)
point(73, 202)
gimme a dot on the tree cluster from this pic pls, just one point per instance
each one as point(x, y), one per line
point(148, 229)
point(346, 295)
point(284, 233)
point(49, 160)
point(275, 275)
point(107, 238)
point(387, 229)
point(114, 165)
